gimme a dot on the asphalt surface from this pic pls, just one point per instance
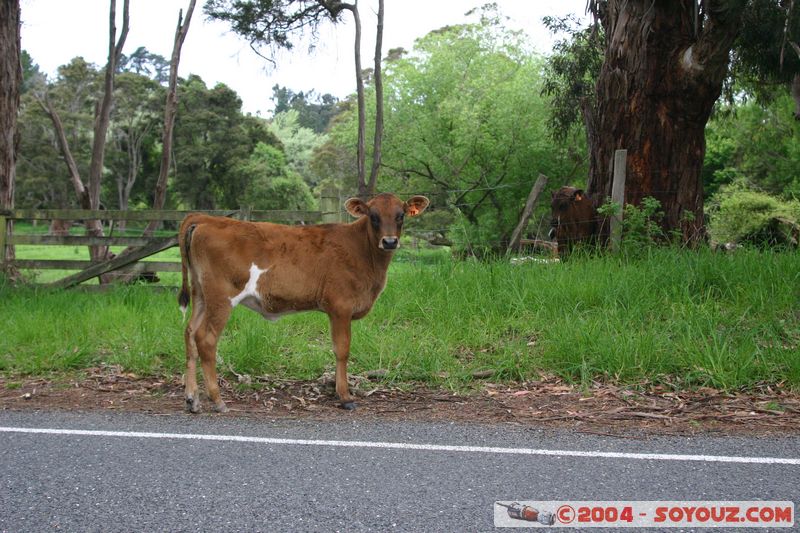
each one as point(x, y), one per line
point(110, 483)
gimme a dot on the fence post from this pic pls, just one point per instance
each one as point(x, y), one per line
point(533, 197)
point(618, 196)
point(329, 204)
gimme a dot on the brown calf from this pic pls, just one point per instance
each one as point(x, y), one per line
point(339, 269)
point(574, 218)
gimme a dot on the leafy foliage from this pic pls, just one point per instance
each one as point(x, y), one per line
point(764, 60)
point(466, 124)
point(30, 71)
point(42, 177)
point(273, 22)
point(571, 72)
point(137, 121)
point(298, 142)
point(641, 225)
point(272, 183)
point(214, 141)
point(313, 111)
point(740, 214)
point(146, 63)
point(212, 138)
point(754, 141)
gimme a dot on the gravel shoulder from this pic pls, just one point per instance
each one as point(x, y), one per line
point(550, 403)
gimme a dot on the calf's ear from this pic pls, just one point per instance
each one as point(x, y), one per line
point(416, 205)
point(356, 207)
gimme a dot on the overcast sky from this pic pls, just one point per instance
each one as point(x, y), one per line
point(55, 31)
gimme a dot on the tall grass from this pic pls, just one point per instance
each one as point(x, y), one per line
point(687, 317)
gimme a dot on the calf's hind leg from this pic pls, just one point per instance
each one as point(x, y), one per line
point(206, 338)
point(191, 395)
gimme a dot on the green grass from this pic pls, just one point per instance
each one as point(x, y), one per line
point(687, 318)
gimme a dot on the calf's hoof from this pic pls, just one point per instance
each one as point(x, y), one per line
point(193, 405)
point(348, 406)
point(220, 407)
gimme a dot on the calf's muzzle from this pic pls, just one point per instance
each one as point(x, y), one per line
point(389, 243)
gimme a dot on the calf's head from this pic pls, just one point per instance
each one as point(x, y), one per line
point(386, 213)
point(573, 216)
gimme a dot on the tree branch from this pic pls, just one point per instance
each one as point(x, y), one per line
point(710, 52)
point(377, 143)
point(66, 153)
point(170, 111)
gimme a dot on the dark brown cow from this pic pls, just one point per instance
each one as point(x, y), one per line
point(339, 269)
point(574, 218)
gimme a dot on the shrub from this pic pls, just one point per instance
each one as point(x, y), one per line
point(641, 225)
point(740, 214)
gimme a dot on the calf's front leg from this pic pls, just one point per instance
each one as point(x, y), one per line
point(340, 333)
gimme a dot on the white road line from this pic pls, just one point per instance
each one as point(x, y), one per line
point(408, 446)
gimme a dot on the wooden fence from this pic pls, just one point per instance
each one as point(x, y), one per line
point(141, 247)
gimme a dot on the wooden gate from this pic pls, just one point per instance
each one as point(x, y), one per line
point(139, 247)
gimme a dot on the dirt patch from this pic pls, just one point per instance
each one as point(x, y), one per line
point(601, 409)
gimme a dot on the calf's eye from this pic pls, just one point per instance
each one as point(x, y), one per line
point(376, 220)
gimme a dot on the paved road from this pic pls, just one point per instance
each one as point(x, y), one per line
point(108, 482)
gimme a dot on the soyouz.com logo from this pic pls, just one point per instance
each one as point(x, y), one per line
point(656, 514)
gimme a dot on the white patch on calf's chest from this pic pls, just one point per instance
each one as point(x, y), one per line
point(249, 290)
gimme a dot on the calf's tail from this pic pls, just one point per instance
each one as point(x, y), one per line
point(184, 243)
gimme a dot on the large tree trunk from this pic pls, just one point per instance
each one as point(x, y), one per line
point(170, 110)
point(665, 62)
point(10, 84)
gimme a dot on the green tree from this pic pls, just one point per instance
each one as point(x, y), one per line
point(43, 179)
point(333, 162)
point(272, 184)
point(765, 60)
point(313, 111)
point(298, 142)
point(136, 119)
point(30, 71)
point(212, 138)
point(146, 63)
point(468, 127)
